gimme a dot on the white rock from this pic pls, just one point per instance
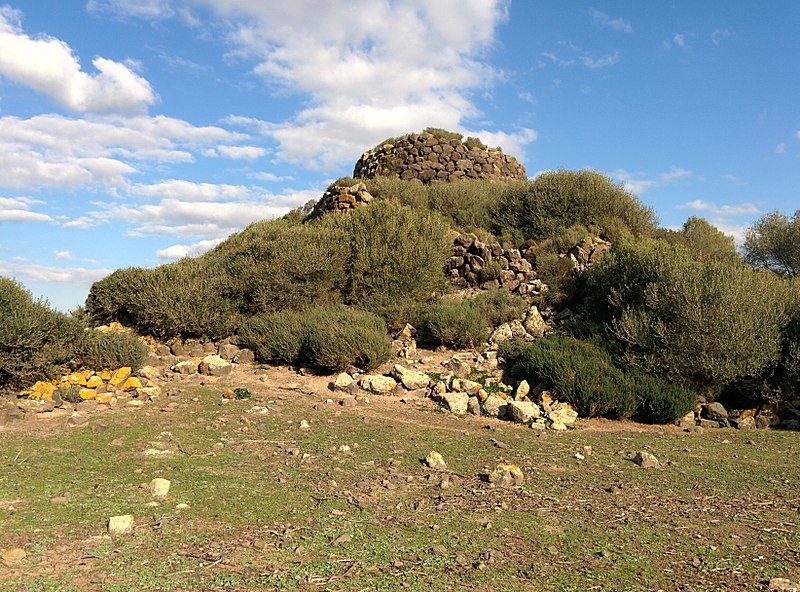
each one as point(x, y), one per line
point(378, 383)
point(495, 406)
point(456, 402)
point(159, 488)
point(411, 379)
point(120, 524)
point(435, 461)
point(522, 411)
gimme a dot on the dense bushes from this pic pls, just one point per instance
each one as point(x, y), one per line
point(329, 338)
point(36, 343)
point(557, 200)
point(585, 376)
point(698, 322)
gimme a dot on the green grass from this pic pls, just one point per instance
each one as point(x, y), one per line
point(721, 514)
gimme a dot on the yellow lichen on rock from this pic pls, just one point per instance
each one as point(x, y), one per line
point(104, 397)
point(130, 384)
point(119, 377)
point(94, 382)
point(87, 394)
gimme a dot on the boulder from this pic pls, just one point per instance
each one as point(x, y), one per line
point(456, 402)
point(214, 365)
point(534, 323)
point(495, 406)
point(341, 382)
point(646, 460)
point(505, 475)
point(378, 383)
point(411, 379)
point(522, 411)
point(715, 411)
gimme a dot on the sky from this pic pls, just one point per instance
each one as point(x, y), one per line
point(136, 132)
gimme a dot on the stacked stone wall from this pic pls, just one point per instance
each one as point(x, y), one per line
point(429, 158)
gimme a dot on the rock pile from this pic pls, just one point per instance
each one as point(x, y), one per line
point(432, 158)
point(488, 265)
point(341, 198)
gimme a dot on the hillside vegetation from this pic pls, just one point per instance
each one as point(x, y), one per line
point(663, 317)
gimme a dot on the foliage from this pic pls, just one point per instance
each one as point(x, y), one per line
point(773, 242)
point(703, 240)
point(275, 337)
point(555, 200)
point(35, 341)
point(241, 393)
point(98, 350)
point(660, 401)
point(697, 322)
point(330, 337)
point(457, 325)
point(339, 337)
point(581, 373)
point(396, 254)
point(500, 306)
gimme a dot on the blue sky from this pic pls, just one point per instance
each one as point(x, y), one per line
point(134, 132)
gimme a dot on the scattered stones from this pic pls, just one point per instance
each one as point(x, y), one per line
point(435, 461)
point(783, 585)
point(646, 460)
point(159, 487)
point(506, 476)
point(118, 525)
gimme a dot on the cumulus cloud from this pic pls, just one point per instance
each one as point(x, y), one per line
point(193, 250)
point(618, 24)
point(75, 276)
point(57, 151)
point(240, 152)
point(191, 191)
point(18, 209)
point(62, 255)
point(406, 66)
point(49, 65)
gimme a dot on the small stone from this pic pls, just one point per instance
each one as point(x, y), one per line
point(258, 410)
point(342, 539)
point(783, 585)
point(11, 556)
point(186, 367)
point(304, 425)
point(182, 507)
point(159, 488)
point(342, 381)
point(76, 420)
point(506, 475)
point(59, 500)
point(120, 524)
point(344, 448)
point(522, 390)
point(435, 461)
point(646, 460)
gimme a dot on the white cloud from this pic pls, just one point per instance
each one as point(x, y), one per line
point(48, 65)
point(62, 255)
point(618, 24)
point(638, 182)
point(512, 143)
point(601, 62)
point(75, 276)
point(58, 151)
point(727, 217)
point(193, 250)
point(717, 35)
point(241, 152)
point(270, 177)
point(17, 209)
point(192, 192)
point(781, 148)
point(367, 70)
point(679, 40)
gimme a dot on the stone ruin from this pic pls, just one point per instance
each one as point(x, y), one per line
point(341, 198)
point(437, 157)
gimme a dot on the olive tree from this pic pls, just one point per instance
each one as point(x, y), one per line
point(773, 242)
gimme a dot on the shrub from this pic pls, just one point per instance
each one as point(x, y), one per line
point(500, 306)
point(396, 254)
point(660, 401)
point(773, 242)
point(36, 342)
point(704, 240)
point(458, 325)
point(339, 337)
point(702, 323)
point(98, 350)
point(275, 337)
point(582, 374)
point(556, 200)
point(330, 337)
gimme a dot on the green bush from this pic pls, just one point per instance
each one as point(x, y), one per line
point(581, 374)
point(36, 343)
point(773, 242)
point(500, 306)
point(329, 338)
point(98, 350)
point(275, 337)
point(339, 337)
point(703, 240)
point(660, 401)
point(457, 325)
point(557, 200)
point(702, 323)
point(397, 254)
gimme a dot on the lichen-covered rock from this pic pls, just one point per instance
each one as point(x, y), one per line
point(378, 383)
point(411, 379)
point(342, 381)
point(522, 411)
point(505, 475)
point(214, 365)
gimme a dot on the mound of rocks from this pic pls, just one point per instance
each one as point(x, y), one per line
point(437, 157)
point(341, 198)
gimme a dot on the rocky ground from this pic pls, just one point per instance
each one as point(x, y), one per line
point(237, 476)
